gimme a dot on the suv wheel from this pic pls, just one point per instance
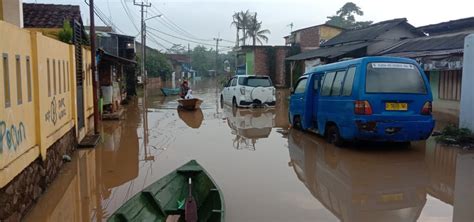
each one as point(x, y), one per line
point(297, 122)
point(234, 103)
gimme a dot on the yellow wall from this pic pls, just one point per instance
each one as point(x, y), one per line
point(12, 12)
point(28, 129)
point(1, 9)
point(327, 32)
point(18, 136)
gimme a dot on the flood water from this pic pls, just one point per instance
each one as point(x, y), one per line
point(265, 171)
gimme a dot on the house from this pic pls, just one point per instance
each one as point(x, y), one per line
point(312, 37)
point(441, 56)
point(116, 66)
point(263, 60)
point(356, 43)
point(181, 64)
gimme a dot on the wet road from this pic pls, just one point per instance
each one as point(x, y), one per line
point(266, 172)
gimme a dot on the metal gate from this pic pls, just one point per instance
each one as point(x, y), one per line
point(79, 73)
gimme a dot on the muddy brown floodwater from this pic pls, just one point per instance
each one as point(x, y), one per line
point(266, 172)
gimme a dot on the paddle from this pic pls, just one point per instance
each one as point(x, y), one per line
point(190, 209)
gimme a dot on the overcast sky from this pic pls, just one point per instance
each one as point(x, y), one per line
point(203, 20)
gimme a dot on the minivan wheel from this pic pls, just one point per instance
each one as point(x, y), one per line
point(297, 122)
point(234, 102)
point(333, 136)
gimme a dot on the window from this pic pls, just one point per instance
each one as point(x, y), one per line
point(59, 76)
point(301, 86)
point(67, 74)
point(394, 78)
point(19, 89)
point(6, 80)
point(450, 85)
point(327, 84)
point(64, 77)
point(234, 82)
point(54, 76)
point(255, 81)
point(348, 82)
point(49, 77)
point(337, 85)
point(28, 79)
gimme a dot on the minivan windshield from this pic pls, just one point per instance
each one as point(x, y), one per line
point(255, 81)
point(394, 78)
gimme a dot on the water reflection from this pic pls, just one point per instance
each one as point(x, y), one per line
point(249, 125)
point(361, 185)
point(192, 118)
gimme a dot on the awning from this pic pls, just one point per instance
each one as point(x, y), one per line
point(328, 52)
point(109, 57)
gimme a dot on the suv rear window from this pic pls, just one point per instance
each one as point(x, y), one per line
point(394, 78)
point(255, 81)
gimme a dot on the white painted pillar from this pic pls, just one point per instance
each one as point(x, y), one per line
point(466, 118)
point(173, 79)
point(463, 195)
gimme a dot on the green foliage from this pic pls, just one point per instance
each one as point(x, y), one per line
point(65, 35)
point(345, 17)
point(453, 135)
point(204, 59)
point(157, 65)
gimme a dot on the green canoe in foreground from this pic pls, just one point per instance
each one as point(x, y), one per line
point(168, 196)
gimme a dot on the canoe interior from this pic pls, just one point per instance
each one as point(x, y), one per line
point(161, 199)
point(190, 104)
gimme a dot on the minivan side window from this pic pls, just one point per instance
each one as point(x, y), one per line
point(327, 84)
point(337, 85)
point(348, 82)
point(301, 86)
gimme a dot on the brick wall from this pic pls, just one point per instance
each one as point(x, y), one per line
point(309, 38)
point(261, 62)
point(280, 67)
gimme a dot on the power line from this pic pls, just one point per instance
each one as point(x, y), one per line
point(130, 17)
point(188, 40)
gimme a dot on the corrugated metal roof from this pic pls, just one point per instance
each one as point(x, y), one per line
point(430, 45)
point(328, 52)
point(369, 33)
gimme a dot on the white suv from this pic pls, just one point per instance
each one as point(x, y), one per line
point(249, 91)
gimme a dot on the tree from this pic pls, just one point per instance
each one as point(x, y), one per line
point(241, 22)
point(156, 64)
point(237, 22)
point(65, 35)
point(255, 31)
point(345, 17)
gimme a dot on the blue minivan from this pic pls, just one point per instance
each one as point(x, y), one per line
point(371, 98)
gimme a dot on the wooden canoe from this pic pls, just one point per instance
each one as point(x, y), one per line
point(190, 104)
point(165, 198)
point(170, 91)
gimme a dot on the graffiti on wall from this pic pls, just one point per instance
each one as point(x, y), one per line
point(57, 111)
point(11, 136)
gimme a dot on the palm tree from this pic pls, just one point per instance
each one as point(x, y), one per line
point(255, 31)
point(246, 17)
point(237, 22)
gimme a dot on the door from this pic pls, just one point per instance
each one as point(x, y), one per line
point(79, 74)
point(313, 115)
point(297, 102)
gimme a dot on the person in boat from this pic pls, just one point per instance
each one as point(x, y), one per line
point(189, 95)
point(184, 89)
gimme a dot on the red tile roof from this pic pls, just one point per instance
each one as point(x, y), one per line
point(49, 15)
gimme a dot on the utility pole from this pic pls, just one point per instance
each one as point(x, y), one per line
point(95, 76)
point(142, 10)
point(217, 51)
